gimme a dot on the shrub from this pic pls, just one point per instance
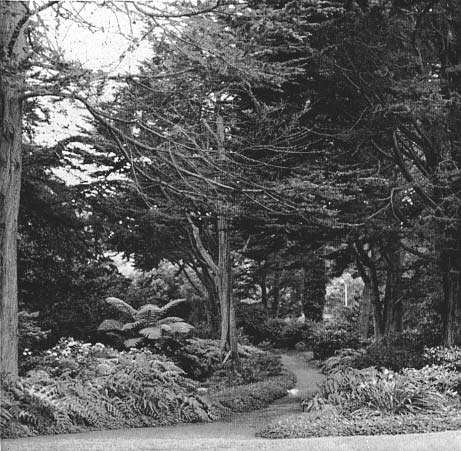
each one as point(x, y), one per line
point(253, 367)
point(130, 389)
point(281, 333)
point(447, 357)
point(344, 358)
point(251, 319)
point(69, 358)
point(326, 340)
point(351, 390)
point(30, 335)
point(200, 359)
point(442, 378)
point(136, 328)
point(393, 355)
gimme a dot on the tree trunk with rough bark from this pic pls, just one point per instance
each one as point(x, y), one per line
point(378, 320)
point(451, 270)
point(212, 301)
point(11, 88)
point(228, 343)
point(365, 310)
point(393, 298)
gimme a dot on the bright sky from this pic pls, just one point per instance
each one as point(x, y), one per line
point(100, 39)
point(106, 42)
point(103, 40)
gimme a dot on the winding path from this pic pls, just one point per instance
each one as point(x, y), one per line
point(237, 432)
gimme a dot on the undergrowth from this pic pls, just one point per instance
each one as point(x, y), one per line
point(133, 389)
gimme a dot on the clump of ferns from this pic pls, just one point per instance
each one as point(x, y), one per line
point(37, 407)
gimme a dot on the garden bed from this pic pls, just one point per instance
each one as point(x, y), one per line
point(77, 387)
point(319, 424)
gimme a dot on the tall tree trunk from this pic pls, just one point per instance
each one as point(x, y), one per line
point(212, 300)
point(11, 86)
point(222, 276)
point(228, 325)
point(451, 269)
point(378, 319)
point(393, 305)
point(365, 310)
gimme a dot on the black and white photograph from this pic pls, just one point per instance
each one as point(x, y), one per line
point(230, 225)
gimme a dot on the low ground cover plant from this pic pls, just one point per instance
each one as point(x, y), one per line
point(76, 386)
point(320, 424)
point(449, 357)
point(200, 359)
point(378, 401)
point(387, 392)
point(121, 389)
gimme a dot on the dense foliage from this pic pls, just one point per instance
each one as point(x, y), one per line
point(77, 385)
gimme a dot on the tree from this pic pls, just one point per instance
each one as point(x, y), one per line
point(55, 78)
point(12, 55)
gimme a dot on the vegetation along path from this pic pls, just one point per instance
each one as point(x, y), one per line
point(236, 432)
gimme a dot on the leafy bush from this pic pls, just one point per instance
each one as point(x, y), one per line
point(136, 328)
point(442, 378)
point(251, 319)
point(30, 335)
point(252, 367)
point(197, 357)
point(447, 357)
point(200, 359)
point(165, 282)
point(130, 389)
point(391, 356)
point(351, 391)
point(344, 358)
point(326, 340)
point(281, 333)
point(69, 358)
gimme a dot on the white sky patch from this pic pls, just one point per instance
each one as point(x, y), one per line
point(102, 40)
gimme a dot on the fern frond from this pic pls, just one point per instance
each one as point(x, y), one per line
point(121, 306)
point(164, 310)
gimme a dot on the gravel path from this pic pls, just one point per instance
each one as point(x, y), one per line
point(236, 433)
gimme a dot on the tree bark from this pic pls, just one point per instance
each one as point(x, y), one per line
point(228, 325)
point(365, 310)
point(393, 305)
point(212, 301)
point(451, 270)
point(11, 88)
point(378, 320)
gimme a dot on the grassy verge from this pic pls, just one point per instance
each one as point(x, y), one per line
point(327, 423)
point(244, 398)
